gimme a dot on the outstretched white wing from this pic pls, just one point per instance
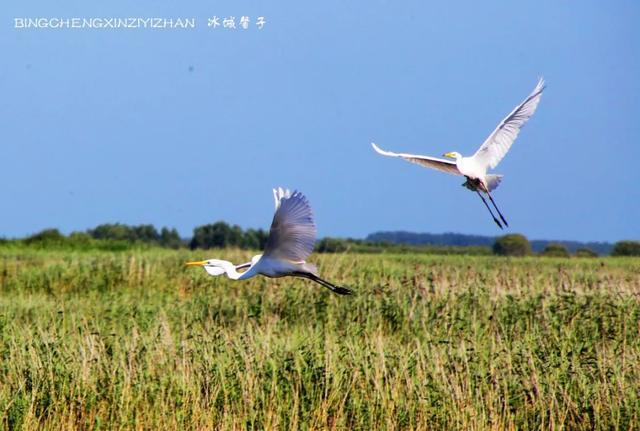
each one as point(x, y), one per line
point(293, 231)
point(498, 143)
point(430, 162)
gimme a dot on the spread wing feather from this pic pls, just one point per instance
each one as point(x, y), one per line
point(293, 230)
point(498, 143)
point(429, 162)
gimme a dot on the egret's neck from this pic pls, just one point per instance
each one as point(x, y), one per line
point(462, 163)
point(229, 269)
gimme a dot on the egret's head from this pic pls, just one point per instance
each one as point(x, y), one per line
point(212, 266)
point(453, 155)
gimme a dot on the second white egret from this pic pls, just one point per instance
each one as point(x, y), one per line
point(494, 148)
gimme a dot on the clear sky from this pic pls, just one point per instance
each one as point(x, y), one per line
point(181, 127)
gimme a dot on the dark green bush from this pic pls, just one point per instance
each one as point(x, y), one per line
point(586, 252)
point(626, 248)
point(45, 236)
point(555, 250)
point(512, 245)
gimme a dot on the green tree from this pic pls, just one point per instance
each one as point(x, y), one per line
point(170, 238)
point(146, 233)
point(626, 248)
point(115, 231)
point(555, 250)
point(216, 235)
point(512, 245)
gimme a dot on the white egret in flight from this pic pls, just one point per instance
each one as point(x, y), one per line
point(494, 148)
point(291, 239)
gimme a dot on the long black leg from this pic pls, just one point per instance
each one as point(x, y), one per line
point(335, 289)
point(489, 208)
point(496, 207)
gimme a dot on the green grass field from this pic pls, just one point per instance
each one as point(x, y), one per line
point(98, 340)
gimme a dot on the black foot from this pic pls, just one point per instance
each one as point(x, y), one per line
point(342, 290)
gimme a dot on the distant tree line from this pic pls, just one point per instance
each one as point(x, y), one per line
point(118, 236)
point(341, 245)
point(518, 245)
point(447, 238)
point(144, 233)
point(114, 236)
point(458, 239)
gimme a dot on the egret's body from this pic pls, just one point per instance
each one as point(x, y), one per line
point(291, 240)
point(494, 148)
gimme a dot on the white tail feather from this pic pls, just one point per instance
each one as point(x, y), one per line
point(493, 181)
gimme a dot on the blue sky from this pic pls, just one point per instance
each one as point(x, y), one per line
point(184, 127)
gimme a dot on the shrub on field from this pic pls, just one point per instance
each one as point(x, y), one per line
point(626, 248)
point(586, 252)
point(555, 250)
point(512, 245)
point(47, 236)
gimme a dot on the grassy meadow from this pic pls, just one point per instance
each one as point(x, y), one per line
point(134, 340)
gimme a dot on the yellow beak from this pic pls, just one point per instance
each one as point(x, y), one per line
point(450, 155)
point(197, 263)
